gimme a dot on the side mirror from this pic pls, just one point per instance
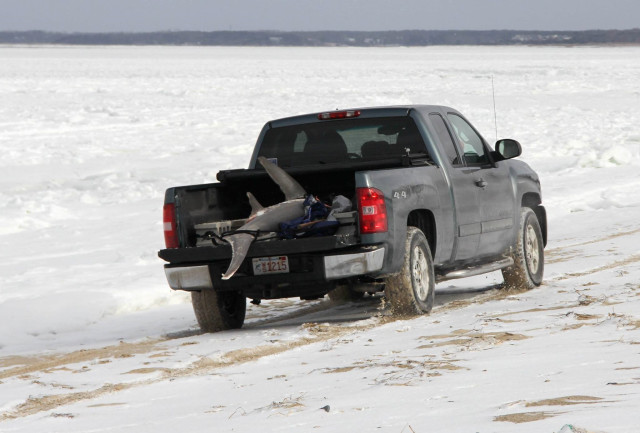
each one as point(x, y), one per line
point(508, 148)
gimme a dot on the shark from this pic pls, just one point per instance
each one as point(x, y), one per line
point(266, 219)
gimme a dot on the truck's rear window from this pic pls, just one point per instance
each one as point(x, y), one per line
point(338, 141)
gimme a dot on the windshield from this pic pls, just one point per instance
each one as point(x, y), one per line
point(342, 141)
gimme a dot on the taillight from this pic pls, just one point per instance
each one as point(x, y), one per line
point(372, 211)
point(169, 223)
point(338, 115)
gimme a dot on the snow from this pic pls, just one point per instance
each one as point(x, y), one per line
point(92, 338)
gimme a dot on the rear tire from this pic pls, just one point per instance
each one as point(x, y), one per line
point(528, 268)
point(412, 290)
point(219, 311)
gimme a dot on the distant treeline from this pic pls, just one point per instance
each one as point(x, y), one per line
point(330, 38)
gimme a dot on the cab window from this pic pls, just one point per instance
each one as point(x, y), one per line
point(445, 138)
point(343, 141)
point(469, 142)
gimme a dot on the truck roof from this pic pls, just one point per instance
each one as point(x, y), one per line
point(382, 111)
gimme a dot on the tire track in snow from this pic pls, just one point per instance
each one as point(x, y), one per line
point(553, 251)
point(627, 261)
point(570, 252)
point(317, 333)
point(561, 254)
point(47, 363)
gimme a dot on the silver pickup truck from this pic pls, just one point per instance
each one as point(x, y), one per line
point(428, 201)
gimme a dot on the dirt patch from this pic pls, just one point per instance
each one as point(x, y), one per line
point(579, 316)
point(625, 320)
point(285, 407)
point(63, 415)
point(442, 365)
point(52, 385)
point(34, 405)
point(635, 323)
point(411, 372)
point(574, 326)
point(402, 372)
point(457, 304)
point(509, 320)
point(26, 365)
point(147, 370)
point(531, 310)
point(325, 330)
point(565, 401)
point(106, 404)
point(287, 403)
point(470, 338)
point(9, 361)
point(518, 418)
point(455, 333)
point(488, 294)
point(340, 369)
point(550, 259)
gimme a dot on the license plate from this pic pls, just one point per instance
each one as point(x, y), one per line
point(270, 265)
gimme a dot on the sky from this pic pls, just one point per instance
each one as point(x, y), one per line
point(309, 15)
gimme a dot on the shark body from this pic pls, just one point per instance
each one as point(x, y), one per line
point(266, 219)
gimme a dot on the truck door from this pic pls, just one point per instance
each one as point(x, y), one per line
point(461, 179)
point(493, 187)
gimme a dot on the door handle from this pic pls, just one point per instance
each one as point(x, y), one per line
point(481, 183)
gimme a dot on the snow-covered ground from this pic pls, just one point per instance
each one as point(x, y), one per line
point(92, 338)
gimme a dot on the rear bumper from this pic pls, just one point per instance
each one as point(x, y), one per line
point(333, 267)
point(189, 277)
point(349, 265)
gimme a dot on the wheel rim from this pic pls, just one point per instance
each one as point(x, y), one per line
point(532, 249)
point(420, 273)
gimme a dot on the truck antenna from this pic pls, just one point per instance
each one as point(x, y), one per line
point(495, 117)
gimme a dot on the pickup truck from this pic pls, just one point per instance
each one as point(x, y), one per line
point(430, 201)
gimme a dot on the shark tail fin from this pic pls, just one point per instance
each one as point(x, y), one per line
point(289, 186)
point(255, 205)
point(240, 244)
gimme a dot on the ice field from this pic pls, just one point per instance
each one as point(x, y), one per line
point(93, 339)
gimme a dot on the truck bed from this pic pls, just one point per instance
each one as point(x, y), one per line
point(227, 201)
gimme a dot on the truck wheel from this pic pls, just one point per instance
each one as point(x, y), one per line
point(218, 311)
point(528, 268)
point(412, 290)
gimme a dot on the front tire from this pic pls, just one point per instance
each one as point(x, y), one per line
point(219, 311)
point(528, 268)
point(412, 290)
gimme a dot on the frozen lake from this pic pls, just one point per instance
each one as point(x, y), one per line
point(90, 138)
